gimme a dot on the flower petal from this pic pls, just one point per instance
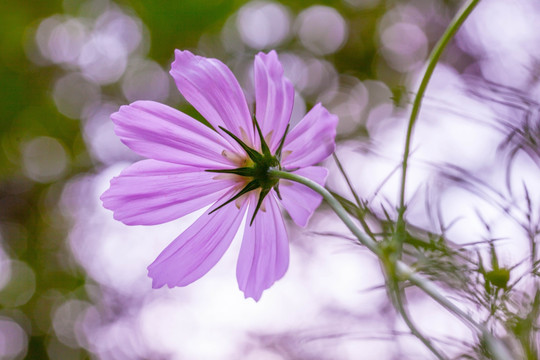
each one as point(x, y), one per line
point(152, 192)
point(199, 248)
point(264, 254)
point(299, 200)
point(162, 133)
point(312, 140)
point(274, 97)
point(210, 86)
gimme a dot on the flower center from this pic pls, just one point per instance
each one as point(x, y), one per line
point(256, 170)
point(260, 172)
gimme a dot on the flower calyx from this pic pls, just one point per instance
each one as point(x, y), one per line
point(258, 170)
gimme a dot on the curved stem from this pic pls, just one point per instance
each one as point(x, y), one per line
point(402, 270)
point(400, 306)
point(495, 345)
point(434, 57)
point(336, 206)
point(361, 219)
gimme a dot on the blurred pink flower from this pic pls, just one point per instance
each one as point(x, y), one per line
point(192, 165)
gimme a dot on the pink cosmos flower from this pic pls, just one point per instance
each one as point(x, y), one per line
point(225, 165)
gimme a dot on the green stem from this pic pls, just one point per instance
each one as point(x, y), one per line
point(359, 204)
point(434, 57)
point(332, 201)
point(402, 270)
point(400, 306)
point(495, 345)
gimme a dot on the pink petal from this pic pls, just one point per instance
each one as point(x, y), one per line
point(264, 254)
point(299, 200)
point(199, 248)
point(212, 89)
point(152, 192)
point(162, 133)
point(274, 97)
point(312, 140)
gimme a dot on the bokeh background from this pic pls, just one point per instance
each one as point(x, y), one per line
point(73, 281)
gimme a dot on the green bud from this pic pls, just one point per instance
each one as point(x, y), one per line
point(498, 277)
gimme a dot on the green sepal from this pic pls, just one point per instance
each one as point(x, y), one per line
point(262, 195)
point(264, 146)
point(254, 155)
point(242, 171)
point(276, 189)
point(281, 142)
point(252, 185)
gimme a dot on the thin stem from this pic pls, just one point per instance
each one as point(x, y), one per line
point(336, 206)
point(434, 57)
point(496, 347)
point(398, 301)
point(346, 177)
point(402, 270)
point(406, 273)
point(359, 204)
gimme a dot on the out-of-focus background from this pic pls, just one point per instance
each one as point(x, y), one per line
point(73, 281)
